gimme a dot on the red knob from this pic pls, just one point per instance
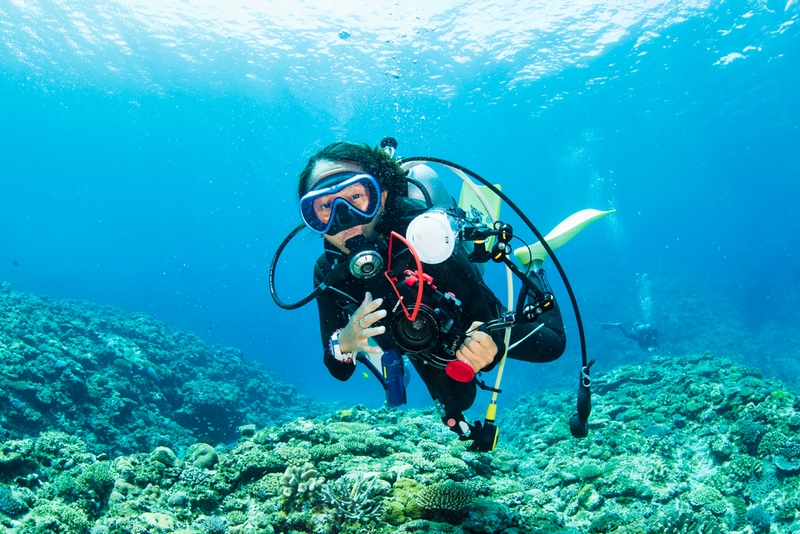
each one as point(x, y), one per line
point(459, 371)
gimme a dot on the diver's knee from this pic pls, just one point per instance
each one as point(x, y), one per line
point(560, 346)
point(542, 349)
point(555, 350)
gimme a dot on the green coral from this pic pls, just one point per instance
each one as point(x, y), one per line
point(394, 513)
point(195, 477)
point(201, 455)
point(750, 431)
point(325, 452)
point(674, 521)
point(97, 479)
point(743, 467)
point(294, 453)
point(59, 449)
point(450, 467)
point(608, 522)
point(772, 443)
point(340, 429)
point(56, 518)
point(12, 503)
point(707, 498)
point(449, 495)
point(368, 445)
point(300, 480)
point(164, 455)
point(236, 517)
point(589, 470)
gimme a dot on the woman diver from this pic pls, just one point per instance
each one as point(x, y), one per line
point(357, 198)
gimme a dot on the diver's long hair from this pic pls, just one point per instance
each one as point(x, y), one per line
point(374, 161)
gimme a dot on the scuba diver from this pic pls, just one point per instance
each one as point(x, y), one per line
point(379, 306)
point(351, 193)
point(646, 335)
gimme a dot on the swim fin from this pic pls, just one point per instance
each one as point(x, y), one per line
point(566, 230)
point(609, 326)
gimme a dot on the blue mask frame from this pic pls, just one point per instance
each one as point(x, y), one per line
point(344, 215)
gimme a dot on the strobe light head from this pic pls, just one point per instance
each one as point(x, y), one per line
point(434, 235)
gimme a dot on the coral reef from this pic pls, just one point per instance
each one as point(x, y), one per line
point(679, 444)
point(445, 500)
point(125, 382)
point(354, 497)
point(690, 437)
point(694, 444)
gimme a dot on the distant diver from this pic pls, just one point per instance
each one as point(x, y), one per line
point(646, 335)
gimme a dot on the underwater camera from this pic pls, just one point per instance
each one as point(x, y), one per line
point(431, 331)
point(423, 322)
point(436, 325)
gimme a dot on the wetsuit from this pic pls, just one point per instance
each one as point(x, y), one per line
point(456, 275)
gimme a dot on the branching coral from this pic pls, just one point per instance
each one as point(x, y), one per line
point(759, 519)
point(683, 522)
point(215, 525)
point(354, 497)
point(97, 479)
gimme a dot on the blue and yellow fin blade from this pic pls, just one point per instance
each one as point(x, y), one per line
point(566, 230)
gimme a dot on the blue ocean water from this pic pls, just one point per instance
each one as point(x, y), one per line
point(150, 151)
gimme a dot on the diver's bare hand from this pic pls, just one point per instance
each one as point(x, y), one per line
point(355, 336)
point(478, 349)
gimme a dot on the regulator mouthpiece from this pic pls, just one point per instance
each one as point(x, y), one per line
point(435, 235)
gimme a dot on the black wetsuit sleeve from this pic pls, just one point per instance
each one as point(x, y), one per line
point(331, 318)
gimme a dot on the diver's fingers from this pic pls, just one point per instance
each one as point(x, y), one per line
point(361, 310)
point(483, 339)
point(477, 350)
point(461, 356)
point(367, 307)
point(371, 318)
point(372, 332)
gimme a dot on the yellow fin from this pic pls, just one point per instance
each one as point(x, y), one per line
point(566, 230)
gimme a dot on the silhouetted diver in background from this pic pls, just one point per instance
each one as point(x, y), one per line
point(647, 336)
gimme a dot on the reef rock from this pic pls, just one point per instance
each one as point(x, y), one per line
point(124, 382)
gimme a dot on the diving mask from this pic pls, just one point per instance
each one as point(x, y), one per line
point(345, 200)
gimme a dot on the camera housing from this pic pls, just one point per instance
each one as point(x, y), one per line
point(436, 332)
